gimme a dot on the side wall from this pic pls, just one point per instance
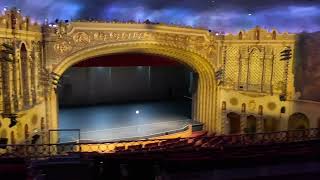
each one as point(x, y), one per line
point(254, 81)
point(22, 93)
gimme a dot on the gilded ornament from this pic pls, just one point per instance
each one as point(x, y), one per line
point(271, 106)
point(81, 37)
point(234, 101)
point(62, 47)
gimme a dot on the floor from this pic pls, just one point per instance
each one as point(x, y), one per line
point(123, 121)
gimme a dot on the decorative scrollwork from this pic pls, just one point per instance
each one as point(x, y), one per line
point(81, 37)
point(62, 47)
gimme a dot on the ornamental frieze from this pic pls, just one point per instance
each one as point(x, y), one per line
point(62, 47)
point(79, 40)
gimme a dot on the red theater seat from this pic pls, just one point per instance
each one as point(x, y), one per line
point(135, 147)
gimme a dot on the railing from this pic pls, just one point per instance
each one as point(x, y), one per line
point(67, 149)
point(272, 137)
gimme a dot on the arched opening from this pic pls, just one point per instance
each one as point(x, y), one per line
point(24, 75)
point(150, 92)
point(201, 84)
point(234, 123)
point(298, 121)
point(251, 124)
point(203, 98)
point(255, 73)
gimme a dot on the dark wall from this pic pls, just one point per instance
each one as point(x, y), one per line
point(97, 85)
point(307, 66)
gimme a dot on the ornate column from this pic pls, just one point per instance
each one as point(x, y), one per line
point(7, 87)
point(32, 80)
point(243, 68)
point(224, 120)
point(19, 90)
point(243, 119)
point(36, 76)
point(260, 124)
point(17, 96)
point(30, 66)
point(260, 121)
point(243, 122)
point(224, 123)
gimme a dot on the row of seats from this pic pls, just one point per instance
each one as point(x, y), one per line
point(211, 141)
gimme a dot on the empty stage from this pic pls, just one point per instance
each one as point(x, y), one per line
point(123, 121)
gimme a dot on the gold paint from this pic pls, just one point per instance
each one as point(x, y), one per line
point(250, 61)
point(272, 106)
point(234, 101)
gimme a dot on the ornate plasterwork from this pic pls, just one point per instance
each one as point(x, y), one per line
point(68, 43)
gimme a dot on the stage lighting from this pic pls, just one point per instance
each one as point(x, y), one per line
point(286, 54)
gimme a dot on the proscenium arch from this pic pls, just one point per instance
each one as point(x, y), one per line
point(205, 99)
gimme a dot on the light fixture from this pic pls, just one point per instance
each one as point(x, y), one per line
point(137, 111)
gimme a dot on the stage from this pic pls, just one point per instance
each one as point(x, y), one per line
point(124, 121)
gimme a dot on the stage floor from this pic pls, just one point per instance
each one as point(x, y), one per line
point(123, 121)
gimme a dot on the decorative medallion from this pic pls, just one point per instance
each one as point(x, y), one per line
point(81, 37)
point(234, 101)
point(271, 106)
point(62, 47)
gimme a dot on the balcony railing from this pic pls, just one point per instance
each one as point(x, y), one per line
point(66, 149)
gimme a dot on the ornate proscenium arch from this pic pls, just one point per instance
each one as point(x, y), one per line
point(194, 51)
point(204, 110)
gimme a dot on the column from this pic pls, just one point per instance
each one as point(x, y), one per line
point(225, 124)
point(30, 81)
point(15, 83)
point(243, 122)
point(260, 124)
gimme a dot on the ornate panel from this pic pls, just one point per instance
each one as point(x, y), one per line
point(69, 40)
point(231, 66)
point(255, 69)
point(268, 65)
point(243, 68)
point(278, 79)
